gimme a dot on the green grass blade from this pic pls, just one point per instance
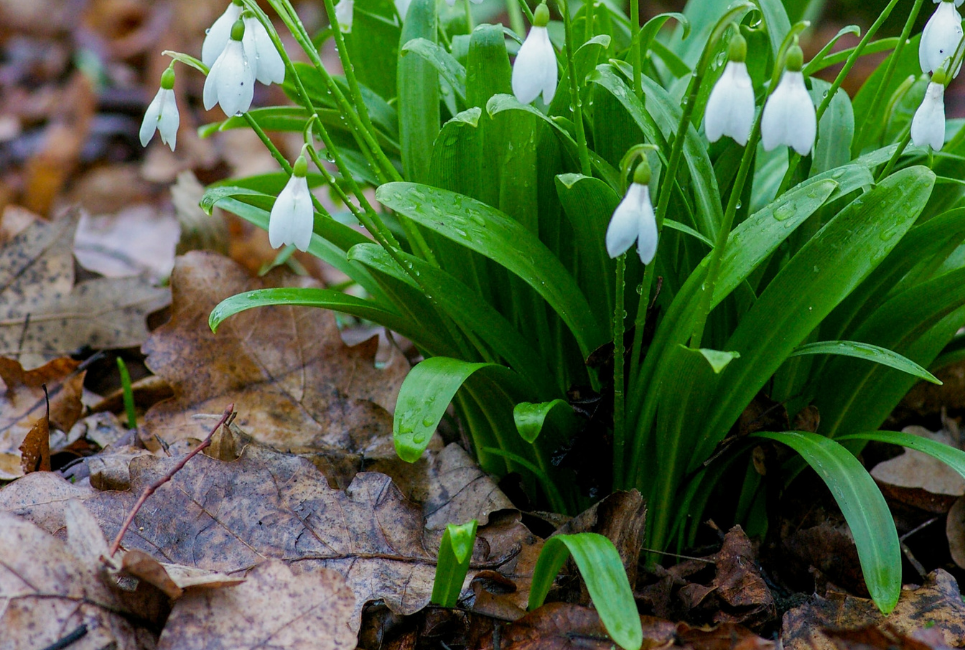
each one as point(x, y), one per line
point(868, 352)
point(453, 563)
point(605, 578)
point(502, 239)
point(863, 507)
point(128, 394)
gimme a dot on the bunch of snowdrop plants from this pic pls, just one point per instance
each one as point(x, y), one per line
point(791, 241)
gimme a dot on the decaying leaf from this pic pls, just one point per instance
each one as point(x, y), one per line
point(44, 315)
point(35, 448)
point(937, 605)
point(273, 608)
point(46, 592)
point(41, 498)
point(23, 404)
point(295, 384)
point(232, 516)
point(886, 638)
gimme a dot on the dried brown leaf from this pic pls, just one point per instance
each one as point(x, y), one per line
point(917, 479)
point(44, 315)
point(295, 384)
point(937, 605)
point(273, 608)
point(46, 592)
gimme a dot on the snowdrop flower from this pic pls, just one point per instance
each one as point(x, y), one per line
point(264, 58)
point(534, 71)
point(292, 217)
point(162, 113)
point(343, 14)
point(928, 126)
point(231, 80)
point(634, 220)
point(941, 37)
point(730, 108)
point(789, 116)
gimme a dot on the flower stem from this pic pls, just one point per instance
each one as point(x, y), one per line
point(585, 166)
point(635, 61)
point(619, 398)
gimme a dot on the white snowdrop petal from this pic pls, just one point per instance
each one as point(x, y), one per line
point(234, 79)
point(940, 38)
point(344, 11)
point(647, 242)
point(170, 119)
point(266, 61)
point(731, 105)
point(624, 225)
point(789, 116)
point(217, 37)
point(928, 125)
point(151, 116)
point(279, 220)
point(534, 70)
point(303, 218)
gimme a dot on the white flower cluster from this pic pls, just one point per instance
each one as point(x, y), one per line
point(940, 42)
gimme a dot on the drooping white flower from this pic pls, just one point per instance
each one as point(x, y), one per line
point(264, 59)
point(292, 216)
point(231, 80)
point(219, 34)
point(928, 125)
point(730, 107)
point(789, 116)
point(941, 37)
point(634, 220)
point(343, 14)
point(262, 55)
point(162, 114)
point(534, 71)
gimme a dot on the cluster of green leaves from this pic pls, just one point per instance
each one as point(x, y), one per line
point(838, 277)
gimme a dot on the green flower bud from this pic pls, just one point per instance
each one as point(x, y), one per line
point(300, 168)
point(167, 78)
point(238, 30)
point(541, 17)
point(641, 176)
point(737, 49)
point(939, 76)
point(795, 59)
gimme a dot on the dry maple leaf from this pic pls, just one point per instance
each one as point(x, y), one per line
point(296, 385)
point(44, 315)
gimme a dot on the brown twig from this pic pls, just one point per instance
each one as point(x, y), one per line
point(151, 489)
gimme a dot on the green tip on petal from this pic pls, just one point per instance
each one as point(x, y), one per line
point(236, 2)
point(795, 58)
point(939, 76)
point(541, 17)
point(641, 176)
point(737, 49)
point(167, 78)
point(300, 168)
point(238, 30)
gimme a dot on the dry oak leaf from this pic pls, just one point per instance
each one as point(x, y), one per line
point(46, 592)
point(937, 604)
point(232, 516)
point(22, 405)
point(41, 498)
point(273, 608)
point(919, 480)
point(295, 384)
point(44, 315)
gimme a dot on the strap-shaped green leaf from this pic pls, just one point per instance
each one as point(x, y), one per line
point(530, 417)
point(418, 82)
point(502, 239)
point(863, 507)
point(868, 352)
point(423, 399)
point(606, 580)
point(453, 563)
point(954, 458)
point(778, 24)
point(450, 69)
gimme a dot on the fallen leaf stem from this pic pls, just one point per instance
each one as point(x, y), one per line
point(151, 489)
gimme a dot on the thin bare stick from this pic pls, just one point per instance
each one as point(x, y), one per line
point(151, 489)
